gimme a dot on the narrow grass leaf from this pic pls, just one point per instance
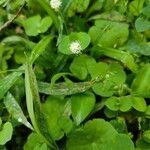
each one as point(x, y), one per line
point(34, 106)
point(15, 110)
point(7, 82)
point(64, 88)
point(39, 48)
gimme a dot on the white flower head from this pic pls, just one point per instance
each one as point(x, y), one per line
point(75, 47)
point(55, 4)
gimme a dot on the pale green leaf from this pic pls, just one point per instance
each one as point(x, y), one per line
point(6, 133)
point(15, 110)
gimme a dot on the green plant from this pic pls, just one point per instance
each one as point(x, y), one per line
point(74, 75)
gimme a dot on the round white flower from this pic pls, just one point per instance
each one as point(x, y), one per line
point(56, 4)
point(75, 47)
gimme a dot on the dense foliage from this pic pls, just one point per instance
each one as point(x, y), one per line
point(75, 74)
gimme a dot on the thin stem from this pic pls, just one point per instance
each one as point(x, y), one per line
point(6, 24)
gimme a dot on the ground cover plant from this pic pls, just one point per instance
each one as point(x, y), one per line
point(74, 74)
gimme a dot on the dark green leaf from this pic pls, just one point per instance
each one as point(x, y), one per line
point(56, 115)
point(81, 106)
point(98, 135)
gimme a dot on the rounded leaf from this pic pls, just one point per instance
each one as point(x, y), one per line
point(114, 76)
point(98, 135)
point(119, 103)
point(139, 104)
point(108, 33)
point(54, 110)
point(125, 103)
point(35, 141)
point(146, 136)
point(81, 106)
point(113, 103)
point(79, 66)
point(81, 38)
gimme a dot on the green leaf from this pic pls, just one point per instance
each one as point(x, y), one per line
point(113, 103)
point(78, 6)
point(65, 88)
point(3, 2)
point(114, 16)
point(34, 25)
point(79, 66)
point(98, 135)
point(56, 111)
point(45, 24)
point(140, 85)
point(122, 142)
point(146, 11)
point(97, 5)
point(7, 82)
point(146, 136)
point(58, 76)
point(109, 113)
point(142, 24)
point(10, 40)
point(120, 125)
point(81, 106)
point(45, 5)
point(12, 78)
point(147, 112)
point(81, 37)
point(114, 76)
point(108, 33)
point(138, 47)
point(6, 133)
point(15, 110)
point(98, 70)
point(31, 25)
point(35, 142)
point(142, 144)
point(125, 103)
point(30, 97)
point(34, 106)
point(94, 135)
point(136, 6)
point(125, 57)
point(119, 103)
point(139, 104)
point(40, 48)
point(65, 124)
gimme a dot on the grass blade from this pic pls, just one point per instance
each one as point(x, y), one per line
point(34, 106)
point(39, 48)
point(15, 110)
point(64, 88)
point(7, 82)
